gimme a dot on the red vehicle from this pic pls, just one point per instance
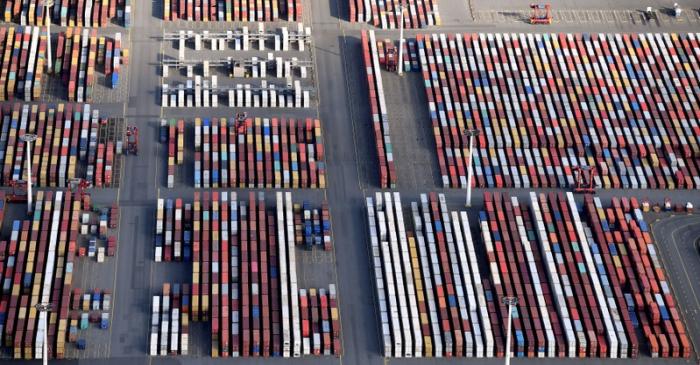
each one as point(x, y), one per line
point(391, 56)
point(19, 192)
point(132, 140)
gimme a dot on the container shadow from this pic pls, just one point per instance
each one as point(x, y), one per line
point(339, 9)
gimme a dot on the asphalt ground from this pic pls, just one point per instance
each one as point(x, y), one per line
point(351, 161)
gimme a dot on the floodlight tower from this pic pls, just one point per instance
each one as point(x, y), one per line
point(471, 133)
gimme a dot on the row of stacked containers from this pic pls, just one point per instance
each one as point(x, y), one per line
point(377, 104)
point(251, 152)
point(244, 278)
point(67, 145)
point(259, 152)
point(176, 147)
point(170, 321)
point(23, 52)
point(387, 15)
point(79, 52)
point(621, 104)
point(233, 10)
point(36, 266)
point(66, 13)
point(418, 274)
point(588, 279)
point(173, 241)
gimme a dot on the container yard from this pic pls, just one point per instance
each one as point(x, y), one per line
point(259, 152)
point(640, 129)
point(42, 259)
point(244, 277)
point(243, 67)
point(73, 142)
point(577, 298)
point(236, 174)
point(247, 152)
point(236, 10)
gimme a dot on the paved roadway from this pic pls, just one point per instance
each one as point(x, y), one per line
point(351, 174)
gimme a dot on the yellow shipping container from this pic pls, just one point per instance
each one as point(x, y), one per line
point(670, 184)
point(194, 304)
point(295, 179)
point(205, 303)
point(321, 181)
point(654, 159)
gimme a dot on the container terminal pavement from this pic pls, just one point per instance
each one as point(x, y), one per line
point(318, 210)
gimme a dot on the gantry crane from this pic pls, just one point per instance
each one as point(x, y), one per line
point(584, 180)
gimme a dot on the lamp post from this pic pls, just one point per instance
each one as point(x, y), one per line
point(28, 139)
point(510, 302)
point(471, 133)
point(399, 67)
point(48, 4)
point(44, 309)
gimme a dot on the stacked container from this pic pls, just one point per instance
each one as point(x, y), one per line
point(233, 10)
point(23, 54)
point(61, 149)
point(576, 296)
point(173, 233)
point(244, 279)
point(78, 53)
point(637, 276)
point(380, 120)
point(81, 13)
point(176, 148)
point(37, 268)
point(259, 152)
point(201, 92)
point(432, 299)
point(312, 226)
point(170, 316)
point(387, 14)
point(548, 104)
